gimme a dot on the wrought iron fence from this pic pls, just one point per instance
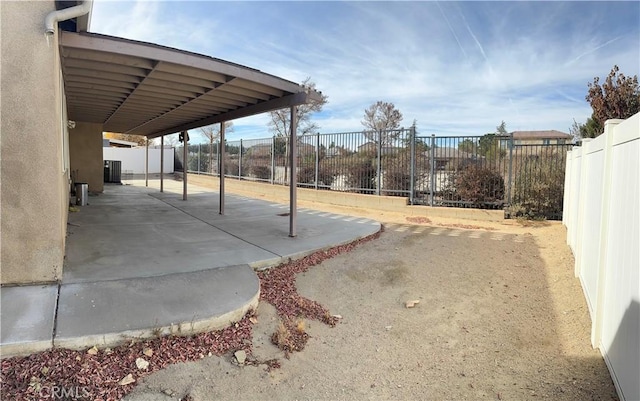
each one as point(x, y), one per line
point(487, 171)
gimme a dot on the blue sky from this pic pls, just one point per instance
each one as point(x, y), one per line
point(458, 68)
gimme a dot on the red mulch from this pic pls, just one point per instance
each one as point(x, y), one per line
point(96, 377)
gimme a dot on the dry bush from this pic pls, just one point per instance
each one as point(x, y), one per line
point(261, 171)
point(290, 336)
point(307, 175)
point(361, 174)
point(539, 188)
point(477, 185)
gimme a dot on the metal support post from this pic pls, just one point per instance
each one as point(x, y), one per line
point(510, 169)
point(379, 162)
point(412, 174)
point(293, 162)
point(317, 159)
point(222, 167)
point(433, 169)
point(273, 160)
point(240, 161)
point(146, 162)
point(162, 163)
point(185, 167)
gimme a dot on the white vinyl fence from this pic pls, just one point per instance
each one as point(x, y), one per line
point(133, 159)
point(601, 202)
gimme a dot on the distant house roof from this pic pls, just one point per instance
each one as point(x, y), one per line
point(548, 134)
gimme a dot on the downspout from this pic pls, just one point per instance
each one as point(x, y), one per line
point(54, 17)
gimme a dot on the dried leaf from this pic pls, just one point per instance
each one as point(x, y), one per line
point(93, 350)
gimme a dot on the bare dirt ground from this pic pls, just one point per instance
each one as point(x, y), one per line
point(500, 317)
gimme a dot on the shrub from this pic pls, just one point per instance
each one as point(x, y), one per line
point(231, 167)
point(396, 177)
point(539, 187)
point(361, 174)
point(307, 175)
point(260, 171)
point(477, 185)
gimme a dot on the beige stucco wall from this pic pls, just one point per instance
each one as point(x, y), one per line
point(85, 151)
point(34, 184)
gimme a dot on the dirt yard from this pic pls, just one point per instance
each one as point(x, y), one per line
point(500, 317)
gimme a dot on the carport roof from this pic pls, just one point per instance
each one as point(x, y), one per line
point(142, 88)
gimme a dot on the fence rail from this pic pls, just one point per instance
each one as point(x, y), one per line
point(476, 171)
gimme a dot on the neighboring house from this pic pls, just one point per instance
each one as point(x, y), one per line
point(372, 148)
point(62, 87)
point(448, 158)
point(261, 150)
point(336, 151)
point(549, 137)
point(264, 150)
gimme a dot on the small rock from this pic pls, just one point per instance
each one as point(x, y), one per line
point(92, 351)
point(107, 351)
point(241, 356)
point(337, 316)
point(411, 304)
point(128, 379)
point(142, 364)
point(388, 327)
point(148, 352)
point(253, 320)
point(169, 392)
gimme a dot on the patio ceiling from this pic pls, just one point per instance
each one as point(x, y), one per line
point(145, 89)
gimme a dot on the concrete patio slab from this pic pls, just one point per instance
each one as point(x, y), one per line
point(28, 314)
point(110, 312)
point(141, 263)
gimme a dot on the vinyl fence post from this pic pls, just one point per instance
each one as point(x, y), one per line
point(433, 169)
point(510, 169)
point(379, 160)
point(317, 159)
point(412, 173)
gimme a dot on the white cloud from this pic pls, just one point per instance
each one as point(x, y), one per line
point(458, 68)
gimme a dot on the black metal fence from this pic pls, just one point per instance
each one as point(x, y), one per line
point(526, 179)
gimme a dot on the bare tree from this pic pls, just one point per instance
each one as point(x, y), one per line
point(212, 133)
point(280, 122)
point(281, 119)
point(379, 119)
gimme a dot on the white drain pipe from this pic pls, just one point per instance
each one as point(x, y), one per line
point(65, 14)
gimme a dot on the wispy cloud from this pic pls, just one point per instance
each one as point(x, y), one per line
point(458, 68)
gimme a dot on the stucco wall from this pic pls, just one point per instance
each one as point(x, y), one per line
point(33, 188)
point(85, 151)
